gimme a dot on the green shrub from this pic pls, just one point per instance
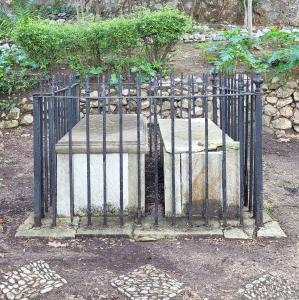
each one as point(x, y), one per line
point(15, 72)
point(41, 42)
point(160, 31)
point(6, 106)
point(19, 10)
point(274, 54)
point(116, 44)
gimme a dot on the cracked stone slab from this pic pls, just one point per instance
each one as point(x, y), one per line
point(266, 217)
point(235, 233)
point(268, 287)
point(271, 230)
point(30, 281)
point(113, 229)
point(147, 283)
point(149, 232)
point(63, 230)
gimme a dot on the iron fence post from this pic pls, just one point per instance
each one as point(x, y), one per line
point(241, 140)
point(258, 151)
point(87, 119)
point(214, 91)
point(138, 92)
point(37, 150)
point(223, 101)
point(190, 183)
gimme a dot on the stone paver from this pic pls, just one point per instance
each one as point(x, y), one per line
point(268, 287)
point(236, 234)
point(148, 232)
point(147, 283)
point(113, 229)
point(63, 230)
point(271, 230)
point(30, 281)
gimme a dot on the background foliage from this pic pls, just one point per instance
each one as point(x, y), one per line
point(116, 44)
point(276, 53)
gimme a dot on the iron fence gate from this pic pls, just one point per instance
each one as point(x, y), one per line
point(232, 101)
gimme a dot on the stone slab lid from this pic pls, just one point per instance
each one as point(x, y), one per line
point(198, 135)
point(112, 135)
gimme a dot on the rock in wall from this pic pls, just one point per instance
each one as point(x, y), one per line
point(279, 12)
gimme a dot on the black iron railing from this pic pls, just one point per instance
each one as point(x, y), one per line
point(232, 101)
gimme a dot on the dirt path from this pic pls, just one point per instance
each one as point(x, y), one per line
point(212, 268)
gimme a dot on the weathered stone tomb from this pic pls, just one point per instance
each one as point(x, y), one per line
point(130, 182)
point(198, 168)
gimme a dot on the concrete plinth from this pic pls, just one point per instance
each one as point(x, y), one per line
point(198, 168)
point(130, 182)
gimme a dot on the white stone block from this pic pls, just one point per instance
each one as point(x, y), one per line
point(130, 178)
point(215, 157)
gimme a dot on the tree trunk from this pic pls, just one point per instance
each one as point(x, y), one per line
point(245, 13)
point(249, 17)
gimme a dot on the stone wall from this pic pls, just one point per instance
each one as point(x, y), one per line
point(278, 12)
point(281, 107)
point(21, 114)
point(270, 12)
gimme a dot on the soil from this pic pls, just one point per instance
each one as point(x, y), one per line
point(210, 268)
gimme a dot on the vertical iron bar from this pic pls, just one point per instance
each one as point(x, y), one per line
point(99, 93)
point(190, 178)
point(156, 155)
point(104, 151)
point(246, 144)
point(206, 202)
point(121, 179)
point(87, 99)
point(235, 109)
point(54, 157)
point(150, 117)
point(41, 115)
point(241, 139)
point(69, 101)
point(258, 151)
point(251, 154)
point(46, 155)
point(138, 83)
point(109, 98)
point(37, 161)
point(193, 98)
point(182, 93)
point(214, 91)
point(172, 151)
point(223, 99)
point(129, 91)
point(161, 93)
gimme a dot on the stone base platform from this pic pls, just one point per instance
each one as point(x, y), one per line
point(149, 232)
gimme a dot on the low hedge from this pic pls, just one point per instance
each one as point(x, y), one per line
point(118, 43)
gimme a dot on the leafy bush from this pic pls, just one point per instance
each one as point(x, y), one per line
point(160, 31)
point(276, 53)
point(15, 72)
point(116, 44)
point(20, 10)
point(235, 52)
point(6, 106)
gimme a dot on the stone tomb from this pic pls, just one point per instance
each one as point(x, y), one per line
point(198, 168)
point(130, 182)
